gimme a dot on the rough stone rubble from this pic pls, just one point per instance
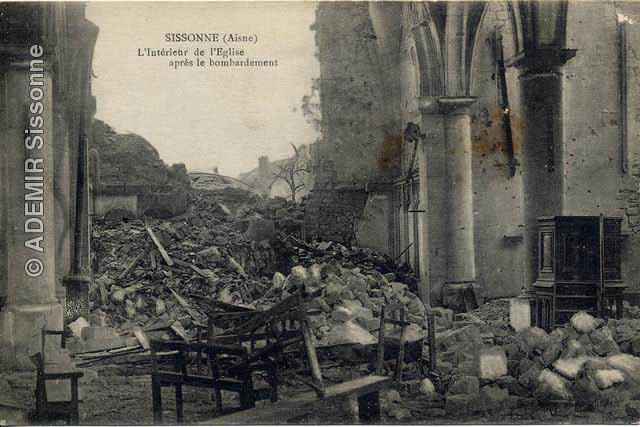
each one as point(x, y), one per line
point(248, 252)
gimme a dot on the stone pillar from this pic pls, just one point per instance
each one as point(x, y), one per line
point(447, 194)
point(542, 171)
point(31, 298)
point(461, 267)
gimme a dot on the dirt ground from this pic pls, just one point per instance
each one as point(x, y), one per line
point(117, 396)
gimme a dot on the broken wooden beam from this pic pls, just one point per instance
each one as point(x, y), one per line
point(133, 263)
point(161, 249)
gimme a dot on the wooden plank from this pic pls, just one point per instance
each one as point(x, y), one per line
point(191, 266)
point(161, 249)
point(283, 410)
point(380, 353)
point(133, 263)
point(309, 343)
point(282, 309)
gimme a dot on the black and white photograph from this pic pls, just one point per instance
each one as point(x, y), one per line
point(320, 212)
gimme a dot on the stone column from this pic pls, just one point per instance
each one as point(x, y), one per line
point(461, 266)
point(446, 175)
point(542, 171)
point(31, 296)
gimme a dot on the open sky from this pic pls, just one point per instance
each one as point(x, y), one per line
point(206, 117)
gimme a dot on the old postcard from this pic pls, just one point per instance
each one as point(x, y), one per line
point(307, 212)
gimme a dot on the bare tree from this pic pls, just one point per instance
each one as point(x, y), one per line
point(292, 172)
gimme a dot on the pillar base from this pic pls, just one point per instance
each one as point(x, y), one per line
point(21, 326)
point(459, 296)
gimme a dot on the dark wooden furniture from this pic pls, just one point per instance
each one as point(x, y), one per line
point(365, 389)
point(578, 269)
point(395, 315)
point(183, 354)
point(49, 407)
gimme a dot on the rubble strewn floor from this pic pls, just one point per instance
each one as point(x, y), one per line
point(161, 279)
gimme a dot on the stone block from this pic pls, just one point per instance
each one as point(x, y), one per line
point(552, 386)
point(492, 363)
point(628, 364)
point(573, 349)
point(77, 326)
point(342, 314)
point(533, 338)
point(467, 334)
point(584, 323)
point(519, 313)
point(427, 388)
point(605, 378)
point(552, 352)
point(569, 368)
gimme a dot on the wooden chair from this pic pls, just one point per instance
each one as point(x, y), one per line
point(48, 407)
point(365, 389)
point(395, 314)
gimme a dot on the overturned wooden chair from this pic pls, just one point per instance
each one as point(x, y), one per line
point(55, 372)
point(365, 389)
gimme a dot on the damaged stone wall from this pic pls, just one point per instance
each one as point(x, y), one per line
point(354, 147)
point(127, 159)
point(129, 176)
point(602, 121)
point(332, 214)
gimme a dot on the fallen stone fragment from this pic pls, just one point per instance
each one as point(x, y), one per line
point(77, 326)
point(533, 338)
point(569, 368)
point(552, 386)
point(628, 364)
point(492, 363)
point(552, 352)
point(160, 307)
point(342, 314)
point(605, 378)
point(584, 323)
point(573, 349)
point(278, 280)
point(427, 388)
point(347, 333)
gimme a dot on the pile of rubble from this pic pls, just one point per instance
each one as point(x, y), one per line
point(588, 364)
point(231, 248)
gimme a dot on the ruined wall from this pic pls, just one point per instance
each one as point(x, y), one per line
point(594, 113)
point(497, 196)
point(331, 214)
point(357, 144)
point(127, 159)
point(352, 106)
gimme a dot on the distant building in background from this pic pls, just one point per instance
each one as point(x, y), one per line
point(264, 180)
point(214, 181)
